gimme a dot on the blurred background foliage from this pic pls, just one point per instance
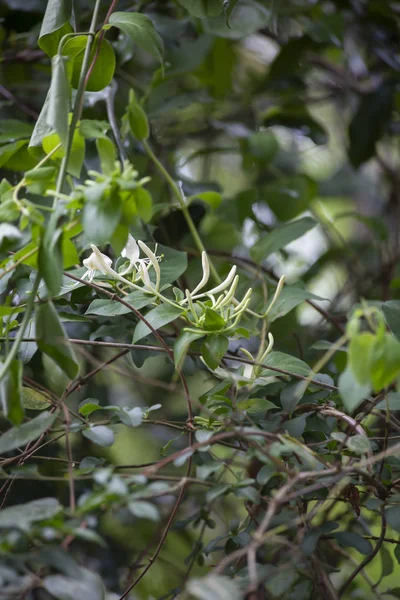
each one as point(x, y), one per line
point(285, 109)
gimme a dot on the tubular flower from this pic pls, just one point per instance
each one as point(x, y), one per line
point(132, 253)
point(97, 262)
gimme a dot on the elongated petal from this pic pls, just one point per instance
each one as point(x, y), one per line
point(131, 250)
point(154, 262)
point(100, 261)
point(226, 283)
point(206, 273)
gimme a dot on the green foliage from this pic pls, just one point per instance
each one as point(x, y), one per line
point(200, 288)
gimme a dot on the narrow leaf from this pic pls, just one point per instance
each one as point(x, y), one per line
point(10, 393)
point(27, 432)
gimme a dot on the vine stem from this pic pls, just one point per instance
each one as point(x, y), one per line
point(78, 100)
point(19, 337)
point(178, 195)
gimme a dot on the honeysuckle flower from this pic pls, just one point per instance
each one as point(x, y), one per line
point(132, 253)
point(153, 260)
point(206, 273)
point(131, 250)
point(97, 262)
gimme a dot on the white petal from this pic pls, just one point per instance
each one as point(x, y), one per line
point(131, 250)
point(100, 261)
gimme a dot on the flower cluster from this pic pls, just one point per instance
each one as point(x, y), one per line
point(98, 261)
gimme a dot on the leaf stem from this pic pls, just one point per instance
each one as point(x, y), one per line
point(20, 336)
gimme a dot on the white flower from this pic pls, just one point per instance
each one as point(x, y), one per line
point(131, 250)
point(97, 262)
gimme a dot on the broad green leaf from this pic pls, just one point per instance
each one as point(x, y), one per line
point(391, 312)
point(57, 22)
point(214, 587)
point(350, 538)
point(213, 199)
point(280, 360)
point(77, 154)
point(28, 349)
point(144, 204)
point(12, 130)
point(101, 214)
point(34, 400)
point(288, 197)
point(107, 154)
point(50, 259)
point(8, 150)
point(100, 435)
point(10, 393)
point(27, 432)
point(392, 402)
point(369, 122)
point(182, 344)
point(144, 510)
point(104, 67)
point(256, 405)
point(296, 117)
point(21, 516)
point(203, 8)
point(9, 235)
point(43, 173)
point(280, 237)
point(213, 349)
point(361, 348)
point(352, 392)
point(93, 129)
point(392, 514)
point(58, 107)
point(290, 297)
point(137, 118)
point(41, 130)
point(112, 308)
point(213, 320)
point(263, 146)
point(158, 317)
point(173, 264)
point(246, 18)
point(53, 341)
point(359, 444)
point(83, 585)
point(140, 28)
point(385, 362)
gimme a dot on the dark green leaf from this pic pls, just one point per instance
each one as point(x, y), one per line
point(53, 341)
point(369, 122)
point(104, 67)
point(182, 344)
point(203, 8)
point(391, 312)
point(288, 197)
point(111, 308)
point(57, 22)
point(280, 237)
point(137, 118)
point(21, 516)
point(27, 432)
point(290, 297)
point(352, 392)
point(50, 259)
point(10, 393)
point(349, 538)
point(158, 317)
point(87, 585)
point(107, 153)
point(58, 107)
point(140, 28)
point(213, 349)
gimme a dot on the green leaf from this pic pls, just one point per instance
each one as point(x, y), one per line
point(10, 393)
point(263, 146)
point(93, 129)
point(349, 538)
point(57, 22)
point(256, 405)
point(352, 392)
point(104, 67)
point(290, 297)
point(137, 118)
point(41, 130)
point(359, 444)
point(84, 584)
point(50, 260)
point(173, 264)
point(288, 197)
point(9, 235)
point(140, 28)
point(391, 312)
point(213, 199)
point(213, 320)
point(280, 237)
point(101, 214)
point(385, 362)
point(8, 150)
point(21, 516)
point(26, 433)
point(286, 362)
point(392, 402)
point(182, 344)
point(107, 154)
point(144, 204)
point(111, 308)
point(53, 341)
point(214, 587)
point(34, 400)
point(213, 349)
point(361, 348)
point(368, 124)
point(203, 8)
point(77, 154)
point(100, 435)
point(296, 117)
point(144, 510)
point(58, 107)
point(158, 317)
